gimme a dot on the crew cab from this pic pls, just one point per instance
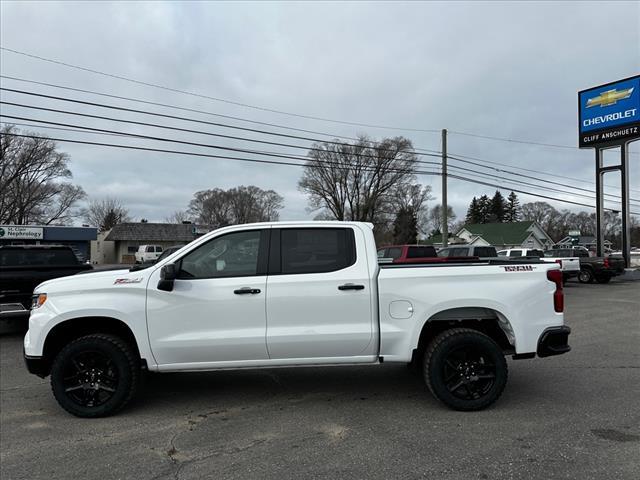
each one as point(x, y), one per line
point(292, 294)
point(600, 269)
point(569, 265)
point(148, 253)
point(23, 267)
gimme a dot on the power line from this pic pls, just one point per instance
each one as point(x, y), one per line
point(175, 107)
point(178, 129)
point(418, 150)
point(208, 97)
point(230, 136)
point(530, 170)
point(187, 119)
point(278, 162)
point(169, 140)
point(100, 117)
point(520, 182)
point(511, 140)
point(533, 178)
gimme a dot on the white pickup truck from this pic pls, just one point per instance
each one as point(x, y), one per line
point(292, 294)
point(570, 266)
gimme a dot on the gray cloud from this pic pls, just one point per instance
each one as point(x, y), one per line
point(502, 69)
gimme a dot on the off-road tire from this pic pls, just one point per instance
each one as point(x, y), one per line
point(124, 367)
point(465, 342)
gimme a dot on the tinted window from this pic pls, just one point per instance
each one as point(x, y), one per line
point(158, 249)
point(394, 252)
point(232, 255)
point(535, 253)
point(457, 252)
point(485, 252)
point(502, 253)
point(33, 257)
point(149, 249)
point(421, 252)
point(316, 250)
point(515, 253)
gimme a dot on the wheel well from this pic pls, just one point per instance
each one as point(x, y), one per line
point(69, 330)
point(481, 319)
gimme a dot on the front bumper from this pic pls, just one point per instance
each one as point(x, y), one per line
point(554, 341)
point(35, 365)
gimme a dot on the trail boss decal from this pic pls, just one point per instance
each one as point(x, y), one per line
point(519, 268)
point(122, 281)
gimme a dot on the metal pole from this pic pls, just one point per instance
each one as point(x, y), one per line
point(445, 227)
point(599, 203)
point(626, 221)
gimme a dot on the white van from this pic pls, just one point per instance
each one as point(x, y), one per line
point(148, 253)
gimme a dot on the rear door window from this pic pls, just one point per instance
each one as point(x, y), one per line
point(394, 252)
point(421, 252)
point(515, 253)
point(317, 250)
point(485, 252)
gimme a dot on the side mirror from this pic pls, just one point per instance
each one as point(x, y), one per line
point(168, 274)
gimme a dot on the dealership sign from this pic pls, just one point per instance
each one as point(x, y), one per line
point(14, 232)
point(609, 114)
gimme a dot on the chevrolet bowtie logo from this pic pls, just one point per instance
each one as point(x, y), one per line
point(610, 97)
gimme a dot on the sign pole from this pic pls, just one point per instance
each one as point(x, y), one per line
point(599, 202)
point(626, 221)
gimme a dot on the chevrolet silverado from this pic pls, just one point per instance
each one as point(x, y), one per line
point(292, 294)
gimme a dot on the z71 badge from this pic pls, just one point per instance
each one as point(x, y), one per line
point(519, 268)
point(122, 281)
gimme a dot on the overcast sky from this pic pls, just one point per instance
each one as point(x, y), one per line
point(499, 69)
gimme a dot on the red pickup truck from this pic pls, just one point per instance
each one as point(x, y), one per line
point(414, 254)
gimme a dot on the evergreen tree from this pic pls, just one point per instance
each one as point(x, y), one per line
point(405, 227)
point(474, 212)
point(497, 207)
point(484, 205)
point(512, 210)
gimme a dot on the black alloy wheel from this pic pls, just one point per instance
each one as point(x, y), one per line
point(95, 375)
point(90, 378)
point(465, 369)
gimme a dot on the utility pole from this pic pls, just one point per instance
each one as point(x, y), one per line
point(445, 227)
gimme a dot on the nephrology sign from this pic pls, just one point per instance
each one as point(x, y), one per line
point(609, 114)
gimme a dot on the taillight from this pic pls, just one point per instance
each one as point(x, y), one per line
point(605, 263)
point(558, 296)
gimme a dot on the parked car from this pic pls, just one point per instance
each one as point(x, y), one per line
point(293, 294)
point(408, 253)
point(148, 253)
point(23, 267)
point(481, 252)
point(569, 265)
point(167, 251)
point(600, 269)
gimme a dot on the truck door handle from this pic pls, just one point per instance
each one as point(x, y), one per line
point(246, 290)
point(351, 286)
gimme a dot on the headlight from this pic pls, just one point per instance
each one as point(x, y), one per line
point(38, 300)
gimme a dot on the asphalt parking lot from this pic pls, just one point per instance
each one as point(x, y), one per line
point(575, 416)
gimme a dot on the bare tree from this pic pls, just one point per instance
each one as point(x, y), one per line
point(358, 181)
point(435, 219)
point(179, 216)
point(32, 181)
point(218, 208)
point(106, 213)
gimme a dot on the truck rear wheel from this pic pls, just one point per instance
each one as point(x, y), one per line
point(585, 276)
point(95, 375)
point(465, 369)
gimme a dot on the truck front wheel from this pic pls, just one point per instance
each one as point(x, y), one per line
point(465, 369)
point(95, 375)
